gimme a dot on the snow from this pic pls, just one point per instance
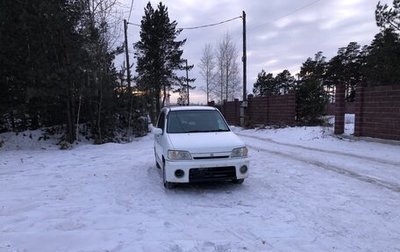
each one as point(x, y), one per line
point(308, 190)
point(27, 140)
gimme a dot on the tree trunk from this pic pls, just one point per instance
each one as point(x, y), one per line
point(227, 82)
point(77, 117)
point(100, 138)
point(70, 124)
point(157, 110)
point(164, 95)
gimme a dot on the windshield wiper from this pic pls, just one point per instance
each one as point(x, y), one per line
point(219, 130)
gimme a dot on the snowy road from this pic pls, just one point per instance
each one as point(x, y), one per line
point(308, 191)
point(344, 163)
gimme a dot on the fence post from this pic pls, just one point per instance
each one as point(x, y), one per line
point(339, 108)
point(292, 107)
point(358, 121)
point(223, 108)
point(268, 122)
point(237, 112)
point(247, 120)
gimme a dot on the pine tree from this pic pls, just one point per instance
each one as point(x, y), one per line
point(12, 55)
point(311, 96)
point(345, 69)
point(387, 17)
point(265, 85)
point(382, 65)
point(184, 86)
point(40, 44)
point(158, 56)
point(285, 82)
point(56, 66)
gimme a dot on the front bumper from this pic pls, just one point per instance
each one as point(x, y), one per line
point(205, 170)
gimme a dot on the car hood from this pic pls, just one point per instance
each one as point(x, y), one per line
point(206, 142)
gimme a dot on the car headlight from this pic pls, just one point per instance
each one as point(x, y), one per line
point(179, 155)
point(239, 152)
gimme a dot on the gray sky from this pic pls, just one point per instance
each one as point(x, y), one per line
point(281, 34)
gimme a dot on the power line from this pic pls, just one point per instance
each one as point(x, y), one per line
point(200, 26)
point(138, 25)
point(232, 19)
point(298, 9)
point(130, 11)
point(210, 25)
point(288, 14)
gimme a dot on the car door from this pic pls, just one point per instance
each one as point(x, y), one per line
point(158, 139)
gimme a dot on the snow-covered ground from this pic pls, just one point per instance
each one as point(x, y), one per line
point(308, 191)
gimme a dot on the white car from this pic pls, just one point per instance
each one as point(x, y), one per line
point(195, 144)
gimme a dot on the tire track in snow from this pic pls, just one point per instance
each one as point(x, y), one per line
point(377, 160)
point(382, 183)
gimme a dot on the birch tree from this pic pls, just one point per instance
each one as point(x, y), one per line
point(207, 69)
point(227, 75)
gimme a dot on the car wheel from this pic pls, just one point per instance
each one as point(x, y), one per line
point(155, 158)
point(238, 181)
point(167, 185)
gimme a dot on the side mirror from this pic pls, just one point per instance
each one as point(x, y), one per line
point(157, 131)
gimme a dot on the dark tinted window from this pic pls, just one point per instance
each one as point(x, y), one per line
point(161, 121)
point(187, 121)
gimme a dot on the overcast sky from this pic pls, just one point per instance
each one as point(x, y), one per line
point(281, 34)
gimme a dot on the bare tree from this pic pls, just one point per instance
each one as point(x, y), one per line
point(228, 79)
point(104, 15)
point(219, 83)
point(100, 37)
point(234, 82)
point(207, 66)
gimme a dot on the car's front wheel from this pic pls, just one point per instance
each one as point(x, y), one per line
point(155, 159)
point(238, 181)
point(167, 185)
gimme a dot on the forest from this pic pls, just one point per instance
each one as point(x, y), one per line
point(57, 69)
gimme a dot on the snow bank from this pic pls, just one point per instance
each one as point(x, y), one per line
point(307, 191)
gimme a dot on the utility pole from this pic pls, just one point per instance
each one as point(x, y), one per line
point(244, 58)
point(128, 66)
point(244, 104)
point(128, 75)
point(187, 81)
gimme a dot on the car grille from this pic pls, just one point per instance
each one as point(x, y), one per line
point(211, 157)
point(212, 174)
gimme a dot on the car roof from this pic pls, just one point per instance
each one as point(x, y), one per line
point(179, 108)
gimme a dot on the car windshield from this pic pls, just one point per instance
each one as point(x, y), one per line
point(191, 121)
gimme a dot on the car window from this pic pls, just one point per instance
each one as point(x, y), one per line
point(161, 121)
point(190, 121)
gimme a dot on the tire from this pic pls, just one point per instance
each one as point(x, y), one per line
point(155, 158)
point(167, 185)
point(238, 181)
